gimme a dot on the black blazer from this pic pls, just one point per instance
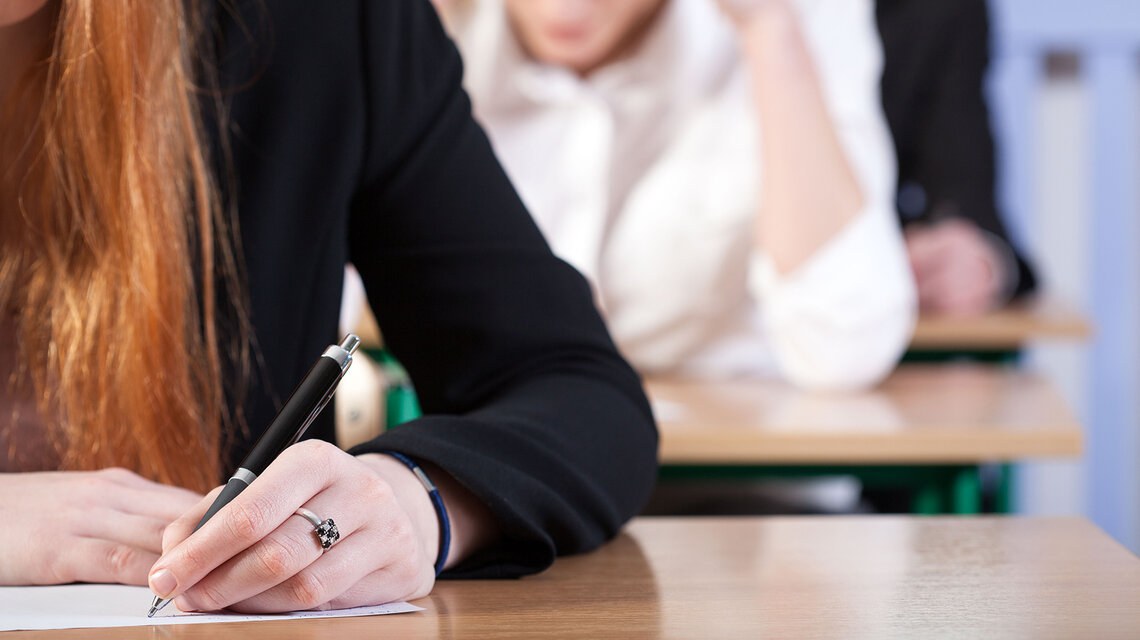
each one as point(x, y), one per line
point(352, 140)
point(936, 53)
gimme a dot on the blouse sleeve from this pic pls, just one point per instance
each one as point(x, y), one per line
point(843, 318)
point(526, 401)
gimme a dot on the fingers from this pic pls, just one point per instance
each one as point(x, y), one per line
point(128, 492)
point(282, 554)
point(305, 578)
point(131, 480)
point(91, 526)
point(300, 473)
point(338, 580)
point(95, 560)
point(952, 295)
point(143, 532)
point(741, 10)
point(927, 249)
point(293, 547)
point(954, 268)
point(390, 584)
point(152, 503)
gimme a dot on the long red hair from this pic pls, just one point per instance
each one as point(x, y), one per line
point(113, 254)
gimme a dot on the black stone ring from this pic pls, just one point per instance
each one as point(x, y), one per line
point(325, 530)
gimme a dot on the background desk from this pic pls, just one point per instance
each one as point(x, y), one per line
point(871, 577)
point(1002, 331)
point(936, 423)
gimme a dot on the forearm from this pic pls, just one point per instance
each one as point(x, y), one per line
point(808, 190)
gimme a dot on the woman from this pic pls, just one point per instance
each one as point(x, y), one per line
point(174, 234)
point(720, 171)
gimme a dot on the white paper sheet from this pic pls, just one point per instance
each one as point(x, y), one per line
point(85, 606)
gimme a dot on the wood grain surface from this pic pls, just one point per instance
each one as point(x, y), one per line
point(1006, 328)
point(836, 577)
point(922, 414)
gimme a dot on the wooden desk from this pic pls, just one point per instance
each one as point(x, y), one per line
point(921, 414)
point(871, 577)
point(940, 421)
point(1003, 330)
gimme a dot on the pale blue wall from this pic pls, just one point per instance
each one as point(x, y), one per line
point(1106, 36)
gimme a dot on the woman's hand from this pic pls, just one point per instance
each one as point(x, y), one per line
point(256, 555)
point(744, 12)
point(84, 526)
point(956, 269)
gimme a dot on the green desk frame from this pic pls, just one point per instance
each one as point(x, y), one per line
point(938, 489)
point(936, 356)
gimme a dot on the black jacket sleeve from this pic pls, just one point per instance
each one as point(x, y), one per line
point(526, 400)
point(936, 55)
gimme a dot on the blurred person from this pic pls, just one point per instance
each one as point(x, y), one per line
point(720, 171)
point(936, 55)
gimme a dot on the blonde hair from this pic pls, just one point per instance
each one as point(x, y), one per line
point(118, 331)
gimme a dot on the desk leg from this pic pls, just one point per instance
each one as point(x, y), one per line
point(966, 491)
point(1004, 502)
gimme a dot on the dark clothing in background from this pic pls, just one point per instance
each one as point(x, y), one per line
point(935, 57)
point(352, 140)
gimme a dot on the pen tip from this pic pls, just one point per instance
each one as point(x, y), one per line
point(155, 606)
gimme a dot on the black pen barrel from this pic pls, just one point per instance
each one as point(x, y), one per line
point(231, 491)
point(285, 429)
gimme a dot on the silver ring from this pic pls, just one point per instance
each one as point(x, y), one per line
point(325, 530)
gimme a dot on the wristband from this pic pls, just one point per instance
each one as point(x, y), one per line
point(437, 502)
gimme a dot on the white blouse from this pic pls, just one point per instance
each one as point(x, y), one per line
point(645, 177)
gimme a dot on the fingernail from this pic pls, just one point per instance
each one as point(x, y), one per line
point(163, 583)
